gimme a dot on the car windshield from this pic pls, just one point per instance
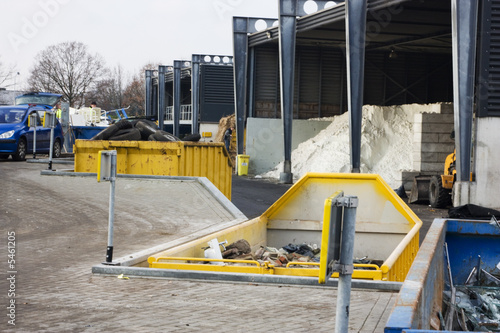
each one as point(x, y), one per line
point(11, 116)
point(37, 99)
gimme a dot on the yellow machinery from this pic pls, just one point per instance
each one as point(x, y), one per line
point(440, 186)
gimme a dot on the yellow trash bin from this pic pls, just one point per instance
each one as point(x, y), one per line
point(243, 165)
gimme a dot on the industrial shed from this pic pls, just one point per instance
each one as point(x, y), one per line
point(191, 95)
point(320, 59)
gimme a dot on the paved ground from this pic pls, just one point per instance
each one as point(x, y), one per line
point(60, 232)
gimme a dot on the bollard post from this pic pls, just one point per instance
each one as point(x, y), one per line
point(111, 215)
point(337, 249)
point(107, 172)
point(49, 121)
point(345, 266)
point(33, 122)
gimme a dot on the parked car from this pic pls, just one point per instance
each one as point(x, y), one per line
point(16, 137)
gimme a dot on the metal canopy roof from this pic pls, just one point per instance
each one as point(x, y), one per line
point(410, 26)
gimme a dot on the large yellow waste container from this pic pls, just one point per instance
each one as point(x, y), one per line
point(387, 230)
point(243, 165)
point(195, 159)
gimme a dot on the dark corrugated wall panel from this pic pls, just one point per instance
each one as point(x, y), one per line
point(404, 79)
point(216, 93)
point(374, 90)
point(333, 82)
point(488, 74)
point(267, 82)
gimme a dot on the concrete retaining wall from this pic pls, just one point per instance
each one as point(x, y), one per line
point(264, 141)
point(431, 139)
point(484, 191)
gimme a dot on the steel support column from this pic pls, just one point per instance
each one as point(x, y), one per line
point(148, 107)
point(176, 110)
point(287, 31)
point(464, 31)
point(240, 47)
point(195, 92)
point(355, 12)
point(251, 83)
point(161, 96)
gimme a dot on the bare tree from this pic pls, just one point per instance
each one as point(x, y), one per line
point(6, 75)
point(134, 96)
point(66, 68)
point(108, 92)
point(135, 92)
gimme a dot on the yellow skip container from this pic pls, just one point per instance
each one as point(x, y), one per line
point(180, 158)
point(387, 230)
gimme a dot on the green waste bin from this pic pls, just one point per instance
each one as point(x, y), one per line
point(243, 165)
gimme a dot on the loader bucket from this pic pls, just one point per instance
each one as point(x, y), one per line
point(420, 190)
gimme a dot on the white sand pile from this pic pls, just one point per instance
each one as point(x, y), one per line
point(386, 146)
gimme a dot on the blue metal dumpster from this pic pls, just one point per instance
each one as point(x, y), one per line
point(420, 299)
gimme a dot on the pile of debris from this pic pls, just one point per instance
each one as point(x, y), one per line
point(241, 250)
point(474, 306)
point(139, 130)
point(297, 253)
point(224, 124)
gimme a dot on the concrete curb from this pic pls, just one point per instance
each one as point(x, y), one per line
point(239, 277)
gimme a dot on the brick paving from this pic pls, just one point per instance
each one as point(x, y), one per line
point(60, 227)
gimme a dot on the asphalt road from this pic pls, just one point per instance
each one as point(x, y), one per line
point(254, 196)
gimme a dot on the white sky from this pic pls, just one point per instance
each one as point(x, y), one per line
point(126, 32)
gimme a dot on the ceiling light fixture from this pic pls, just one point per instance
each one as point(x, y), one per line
point(393, 54)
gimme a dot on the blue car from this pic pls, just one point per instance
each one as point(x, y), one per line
point(16, 137)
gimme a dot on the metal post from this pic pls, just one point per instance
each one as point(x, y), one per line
point(111, 215)
point(355, 11)
point(33, 121)
point(65, 126)
point(350, 204)
point(51, 147)
point(154, 97)
point(251, 83)
point(464, 31)
point(52, 125)
point(149, 86)
point(195, 92)
point(161, 96)
point(177, 96)
point(287, 32)
point(240, 48)
point(34, 142)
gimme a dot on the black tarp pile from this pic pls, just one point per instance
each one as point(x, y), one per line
point(139, 130)
point(471, 211)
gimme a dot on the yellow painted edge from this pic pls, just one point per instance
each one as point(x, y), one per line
point(99, 154)
point(310, 272)
point(327, 211)
point(398, 203)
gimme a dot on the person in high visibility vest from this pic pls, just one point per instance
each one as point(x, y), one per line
point(58, 111)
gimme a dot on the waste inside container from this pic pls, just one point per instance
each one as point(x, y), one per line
point(243, 165)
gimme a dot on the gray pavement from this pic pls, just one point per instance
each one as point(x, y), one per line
point(60, 226)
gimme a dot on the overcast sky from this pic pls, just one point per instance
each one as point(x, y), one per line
point(126, 32)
